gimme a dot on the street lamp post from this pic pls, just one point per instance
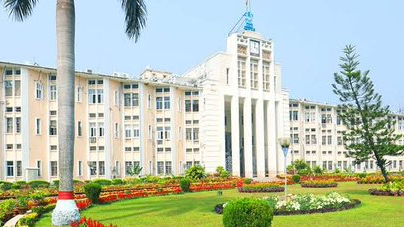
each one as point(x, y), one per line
point(285, 143)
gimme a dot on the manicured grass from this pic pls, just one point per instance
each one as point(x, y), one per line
point(196, 209)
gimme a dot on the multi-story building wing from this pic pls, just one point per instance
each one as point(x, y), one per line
point(244, 109)
point(151, 121)
point(316, 137)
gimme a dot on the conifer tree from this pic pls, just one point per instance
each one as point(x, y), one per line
point(370, 125)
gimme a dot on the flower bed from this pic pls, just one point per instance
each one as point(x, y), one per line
point(319, 184)
point(261, 187)
point(335, 178)
point(378, 179)
point(84, 222)
point(395, 188)
point(306, 204)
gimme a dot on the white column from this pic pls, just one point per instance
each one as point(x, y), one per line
point(259, 133)
point(235, 136)
point(272, 138)
point(248, 139)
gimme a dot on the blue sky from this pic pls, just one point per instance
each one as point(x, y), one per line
point(308, 35)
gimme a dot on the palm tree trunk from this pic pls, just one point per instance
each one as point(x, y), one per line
point(66, 210)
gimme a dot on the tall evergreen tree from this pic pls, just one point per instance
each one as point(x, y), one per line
point(370, 127)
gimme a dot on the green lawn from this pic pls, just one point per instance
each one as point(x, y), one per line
point(196, 209)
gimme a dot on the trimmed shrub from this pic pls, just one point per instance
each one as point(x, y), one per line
point(247, 212)
point(117, 182)
point(296, 179)
point(93, 191)
point(103, 182)
point(185, 183)
point(196, 172)
point(362, 175)
point(5, 185)
point(38, 184)
point(248, 181)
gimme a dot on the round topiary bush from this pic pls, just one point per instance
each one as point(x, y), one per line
point(296, 179)
point(247, 212)
point(38, 184)
point(185, 183)
point(118, 182)
point(93, 191)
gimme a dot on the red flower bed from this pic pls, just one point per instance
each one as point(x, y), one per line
point(84, 222)
point(335, 178)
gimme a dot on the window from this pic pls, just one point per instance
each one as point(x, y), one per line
point(10, 168)
point(17, 88)
point(93, 168)
point(9, 146)
point(188, 106)
point(19, 168)
point(166, 103)
point(188, 134)
point(159, 103)
point(38, 90)
point(91, 82)
point(100, 95)
point(136, 149)
point(168, 168)
point(52, 128)
point(160, 168)
point(101, 168)
point(9, 109)
point(126, 99)
point(149, 101)
point(241, 73)
point(52, 92)
point(100, 82)
point(53, 112)
point(160, 150)
point(9, 87)
point(150, 133)
point(93, 130)
point(195, 105)
point(18, 109)
point(39, 166)
point(53, 148)
point(179, 104)
point(135, 86)
point(38, 126)
point(294, 115)
point(101, 129)
point(128, 167)
point(135, 99)
point(167, 133)
point(128, 149)
point(116, 98)
point(160, 133)
point(136, 133)
point(18, 146)
point(128, 130)
point(79, 129)
point(18, 125)
point(324, 140)
point(116, 130)
point(266, 76)
point(79, 94)
point(188, 165)
point(80, 168)
point(54, 168)
point(196, 134)
point(329, 140)
point(92, 96)
point(9, 72)
point(9, 125)
point(254, 74)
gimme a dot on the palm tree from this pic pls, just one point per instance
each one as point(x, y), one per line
point(135, 18)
